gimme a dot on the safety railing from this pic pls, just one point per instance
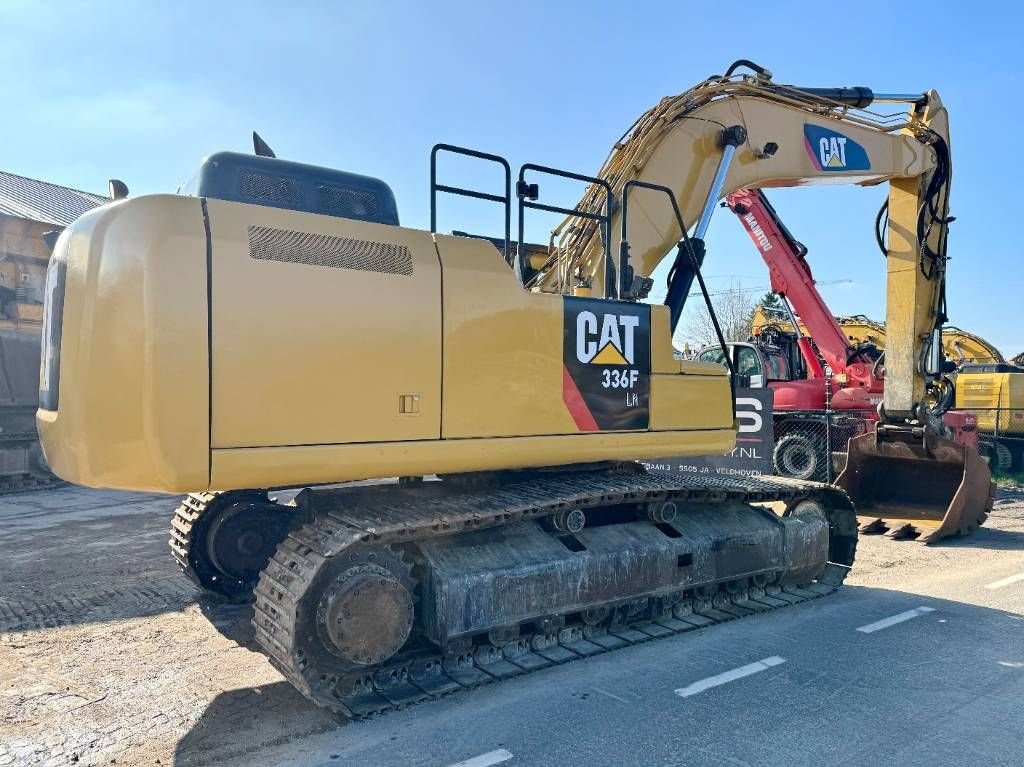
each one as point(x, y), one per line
point(504, 199)
point(528, 195)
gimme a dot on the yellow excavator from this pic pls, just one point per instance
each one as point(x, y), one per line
point(985, 383)
point(276, 327)
point(958, 345)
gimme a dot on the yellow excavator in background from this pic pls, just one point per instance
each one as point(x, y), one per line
point(510, 388)
point(985, 383)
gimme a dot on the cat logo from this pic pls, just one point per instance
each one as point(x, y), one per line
point(608, 341)
point(606, 363)
point(832, 151)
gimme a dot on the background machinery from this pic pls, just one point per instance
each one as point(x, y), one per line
point(512, 405)
point(987, 386)
point(31, 214)
point(816, 374)
point(827, 383)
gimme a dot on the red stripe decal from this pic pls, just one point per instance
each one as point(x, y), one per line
point(814, 157)
point(574, 402)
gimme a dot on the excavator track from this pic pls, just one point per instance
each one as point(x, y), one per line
point(190, 535)
point(36, 478)
point(345, 524)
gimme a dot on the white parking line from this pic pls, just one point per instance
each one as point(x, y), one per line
point(486, 760)
point(613, 697)
point(1005, 581)
point(894, 619)
point(729, 676)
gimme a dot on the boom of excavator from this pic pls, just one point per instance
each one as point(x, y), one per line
point(279, 328)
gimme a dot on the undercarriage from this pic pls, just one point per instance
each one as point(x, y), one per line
point(372, 597)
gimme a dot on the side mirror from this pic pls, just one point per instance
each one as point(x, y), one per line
point(756, 381)
point(261, 147)
point(118, 189)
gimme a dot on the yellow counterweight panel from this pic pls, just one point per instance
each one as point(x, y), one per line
point(993, 397)
point(312, 362)
point(324, 329)
point(134, 407)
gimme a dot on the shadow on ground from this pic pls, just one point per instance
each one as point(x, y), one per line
point(239, 723)
point(987, 538)
point(271, 723)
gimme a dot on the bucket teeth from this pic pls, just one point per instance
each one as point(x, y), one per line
point(874, 527)
point(903, 532)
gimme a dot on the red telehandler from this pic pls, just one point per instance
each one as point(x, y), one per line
point(826, 388)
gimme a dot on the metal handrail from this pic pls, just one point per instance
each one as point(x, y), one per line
point(684, 244)
point(527, 193)
point(463, 192)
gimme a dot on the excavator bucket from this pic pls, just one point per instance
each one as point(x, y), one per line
point(910, 484)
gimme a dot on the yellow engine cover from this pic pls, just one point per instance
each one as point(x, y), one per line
point(996, 398)
point(212, 344)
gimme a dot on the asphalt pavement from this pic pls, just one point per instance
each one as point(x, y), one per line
point(917, 660)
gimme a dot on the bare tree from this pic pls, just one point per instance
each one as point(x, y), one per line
point(734, 308)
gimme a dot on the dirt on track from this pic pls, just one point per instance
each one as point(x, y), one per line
point(109, 655)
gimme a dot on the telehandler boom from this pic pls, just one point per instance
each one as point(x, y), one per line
point(529, 392)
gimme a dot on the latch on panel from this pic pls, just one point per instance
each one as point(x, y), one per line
point(408, 404)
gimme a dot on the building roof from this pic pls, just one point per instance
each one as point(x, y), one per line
point(42, 201)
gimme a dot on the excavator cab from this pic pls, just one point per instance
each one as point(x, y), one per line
point(755, 365)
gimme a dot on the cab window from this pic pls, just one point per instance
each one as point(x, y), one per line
point(778, 367)
point(747, 363)
point(712, 355)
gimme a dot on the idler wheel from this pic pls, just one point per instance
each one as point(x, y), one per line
point(365, 614)
point(243, 537)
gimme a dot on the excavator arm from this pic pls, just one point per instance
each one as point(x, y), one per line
point(745, 132)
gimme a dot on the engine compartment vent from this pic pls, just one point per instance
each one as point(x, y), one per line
point(347, 203)
point(270, 244)
point(275, 190)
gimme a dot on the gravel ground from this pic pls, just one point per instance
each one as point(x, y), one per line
point(108, 655)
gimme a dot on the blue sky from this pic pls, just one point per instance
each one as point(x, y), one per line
point(115, 89)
